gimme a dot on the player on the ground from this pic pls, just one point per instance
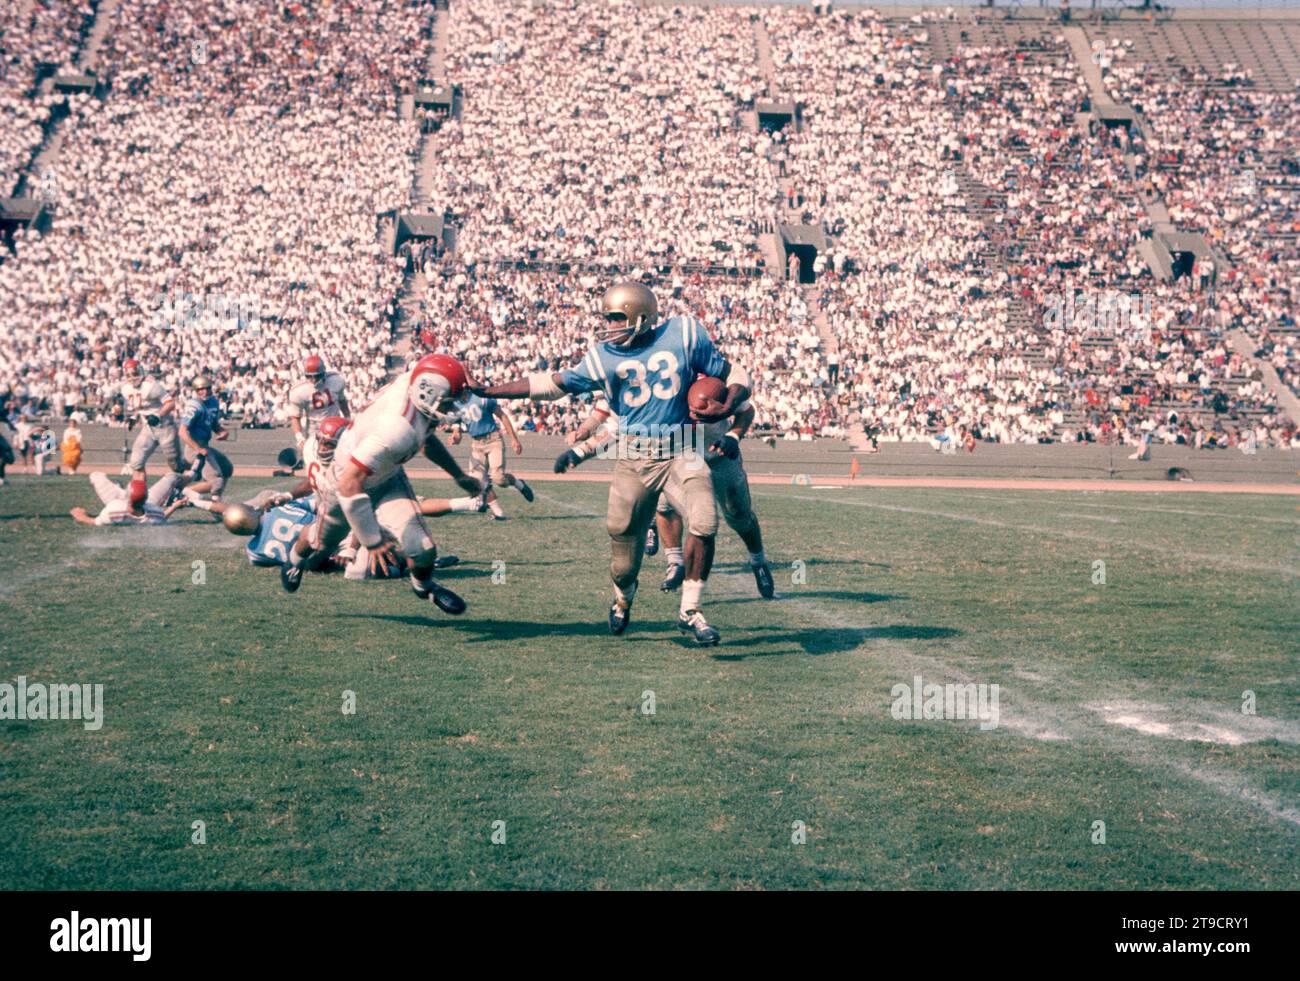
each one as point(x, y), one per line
point(152, 406)
point(317, 398)
point(366, 490)
point(136, 504)
point(200, 423)
point(478, 417)
point(644, 366)
point(730, 487)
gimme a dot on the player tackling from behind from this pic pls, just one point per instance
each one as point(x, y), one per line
point(644, 366)
point(365, 488)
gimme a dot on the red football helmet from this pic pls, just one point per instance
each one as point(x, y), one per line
point(131, 368)
point(314, 369)
point(327, 436)
point(137, 492)
point(436, 378)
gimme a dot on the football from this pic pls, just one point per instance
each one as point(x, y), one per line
point(705, 390)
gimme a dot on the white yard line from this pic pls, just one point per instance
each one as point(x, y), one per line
point(1220, 561)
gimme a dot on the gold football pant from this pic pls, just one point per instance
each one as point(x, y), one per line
point(633, 494)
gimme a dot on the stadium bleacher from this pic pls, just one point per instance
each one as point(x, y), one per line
point(951, 160)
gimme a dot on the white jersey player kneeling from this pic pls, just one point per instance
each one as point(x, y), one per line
point(365, 489)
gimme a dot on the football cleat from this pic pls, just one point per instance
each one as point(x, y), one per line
point(525, 490)
point(290, 576)
point(694, 623)
point(763, 577)
point(441, 597)
point(676, 573)
point(446, 561)
point(619, 617)
point(651, 540)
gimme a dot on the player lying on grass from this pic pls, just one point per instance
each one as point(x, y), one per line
point(276, 521)
point(643, 366)
point(730, 487)
point(365, 489)
point(135, 504)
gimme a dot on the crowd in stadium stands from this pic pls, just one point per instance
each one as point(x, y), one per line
point(243, 167)
point(603, 133)
point(218, 213)
point(47, 32)
point(1227, 160)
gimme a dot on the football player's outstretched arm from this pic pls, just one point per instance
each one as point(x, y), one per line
point(81, 516)
point(439, 454)
point(360, 513)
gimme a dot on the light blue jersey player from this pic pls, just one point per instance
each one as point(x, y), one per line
point(645, 367)
point(200, 424)
point(278, 529)
point(646, 386)
point(478, 416)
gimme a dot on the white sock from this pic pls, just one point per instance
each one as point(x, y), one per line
point(758, 558)
point(495, 508)
point(464, 503)
point(692, 590)
point(674, 556)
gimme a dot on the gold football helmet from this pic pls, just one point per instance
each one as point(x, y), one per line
point(629, 310)
point(240, 519)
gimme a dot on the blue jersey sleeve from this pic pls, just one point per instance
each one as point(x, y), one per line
point(587, 376)
point(706, 359)
point(192, 409)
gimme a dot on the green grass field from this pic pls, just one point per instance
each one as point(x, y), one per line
point(1119, 703)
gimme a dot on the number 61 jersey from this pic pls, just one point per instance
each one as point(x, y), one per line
point(646, 385)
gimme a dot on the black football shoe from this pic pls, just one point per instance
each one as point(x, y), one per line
point(290, 577)
point(441, 597)
point(619, 617)
point(676, 573)
point(652, 540)
point(693, 623)
point(525, 490)
point(763, 577)
point(446, 561)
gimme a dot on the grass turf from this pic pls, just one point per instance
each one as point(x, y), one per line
point(1119, 702)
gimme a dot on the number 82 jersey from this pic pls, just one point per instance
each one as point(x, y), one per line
point(646, 385)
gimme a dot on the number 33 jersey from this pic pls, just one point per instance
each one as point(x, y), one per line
point(646, 385)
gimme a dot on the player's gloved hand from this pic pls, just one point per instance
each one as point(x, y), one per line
point(727, 446)
point(470, 485)
point(567, 460)
point(151, 420)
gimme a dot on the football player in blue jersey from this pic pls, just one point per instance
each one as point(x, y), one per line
point(644, 366)
point(478, 417)
point(200, 423)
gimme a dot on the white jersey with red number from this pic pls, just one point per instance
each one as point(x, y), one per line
point(118, 512)
point(383, 437)
point(305, 399)
point(312, 464)
point(147, 397)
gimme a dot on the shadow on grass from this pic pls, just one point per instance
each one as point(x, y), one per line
point(497, 631)
point(829, 640)
point(797, 593)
